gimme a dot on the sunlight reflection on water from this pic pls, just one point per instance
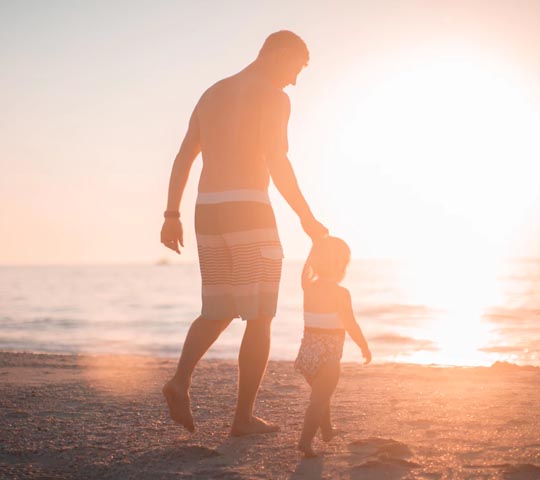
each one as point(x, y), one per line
point(446, 312)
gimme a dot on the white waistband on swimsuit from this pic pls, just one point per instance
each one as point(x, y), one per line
point(205, 198)
point(322, 320)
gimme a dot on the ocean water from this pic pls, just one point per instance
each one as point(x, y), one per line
point(445, 312)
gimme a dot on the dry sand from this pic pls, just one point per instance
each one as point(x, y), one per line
point(66, 416)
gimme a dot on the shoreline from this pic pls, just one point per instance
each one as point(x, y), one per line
point(494, 365)
point(80, 416)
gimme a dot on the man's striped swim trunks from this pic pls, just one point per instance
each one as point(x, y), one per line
point(240, 254)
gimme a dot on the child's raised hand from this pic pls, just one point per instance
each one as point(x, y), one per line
point(367, 355)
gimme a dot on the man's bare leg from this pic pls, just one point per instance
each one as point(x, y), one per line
point(253, 360)
point(200, 337)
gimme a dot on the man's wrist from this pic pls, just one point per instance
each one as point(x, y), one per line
point(307, 218)
point(171, 214)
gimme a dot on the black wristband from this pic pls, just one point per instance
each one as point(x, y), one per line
point(171, 214)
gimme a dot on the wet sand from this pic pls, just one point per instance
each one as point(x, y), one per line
point(68, 416)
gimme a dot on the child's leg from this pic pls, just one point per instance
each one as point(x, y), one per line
point(328, 432)
point(322, 387)
point(326, 424)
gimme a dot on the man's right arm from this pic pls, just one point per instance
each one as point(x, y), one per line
point(171, 232)
point(285, 181)
point(281, 170)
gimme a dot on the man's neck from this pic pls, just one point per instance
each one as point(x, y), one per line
point(263, 70)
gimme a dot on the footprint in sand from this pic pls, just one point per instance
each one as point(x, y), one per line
point(384, 458)
point(508, 471)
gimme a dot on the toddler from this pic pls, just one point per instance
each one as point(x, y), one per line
point(328, 314)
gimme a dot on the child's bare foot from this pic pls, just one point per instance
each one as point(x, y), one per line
point(307, 450)
point(256, 425)
point(179, 405)
point(329, 434)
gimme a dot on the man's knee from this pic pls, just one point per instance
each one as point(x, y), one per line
point(260, 327)
point(220, 324)
point(223, 324)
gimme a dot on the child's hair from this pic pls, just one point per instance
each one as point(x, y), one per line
point(328, 259)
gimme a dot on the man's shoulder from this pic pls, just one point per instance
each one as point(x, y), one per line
point(255, 88)
point(280, 96)
point(272, 92)
point(223, 88)
point(214, 88)
point(277, 101)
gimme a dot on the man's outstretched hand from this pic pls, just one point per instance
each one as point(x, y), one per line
point(172, 234)
point(316, 230)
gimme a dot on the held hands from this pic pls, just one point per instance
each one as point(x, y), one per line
point(172, 234)
point(314, 229)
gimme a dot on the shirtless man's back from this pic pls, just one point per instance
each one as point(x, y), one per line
point(238, 118)
point(240, 126)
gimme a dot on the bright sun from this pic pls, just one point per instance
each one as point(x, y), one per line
point(442, 168)
point(444, 152)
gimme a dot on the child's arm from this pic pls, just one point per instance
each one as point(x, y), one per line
point(350, 324)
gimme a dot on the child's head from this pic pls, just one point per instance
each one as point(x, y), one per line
point(327, 260)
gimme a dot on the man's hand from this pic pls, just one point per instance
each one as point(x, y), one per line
point(172, 234)
point(314, 229)
point(367, 355)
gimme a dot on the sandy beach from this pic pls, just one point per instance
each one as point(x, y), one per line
point(69, 416)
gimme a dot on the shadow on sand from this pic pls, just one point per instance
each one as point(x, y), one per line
point(311, 468)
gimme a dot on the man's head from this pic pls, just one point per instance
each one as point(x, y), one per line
point(284, 54)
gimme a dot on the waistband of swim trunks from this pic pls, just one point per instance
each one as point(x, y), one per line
point(208, 198)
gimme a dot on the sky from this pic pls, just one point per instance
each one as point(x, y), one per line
point(413, 133)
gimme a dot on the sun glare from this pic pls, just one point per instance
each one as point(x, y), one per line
point(443, 168)
point(447, 146)
point(460, 290)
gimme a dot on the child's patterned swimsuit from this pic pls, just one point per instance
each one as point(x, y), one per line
point(323, 342)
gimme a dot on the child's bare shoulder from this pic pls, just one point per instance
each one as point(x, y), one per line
point(343, 292)
point(344, 298)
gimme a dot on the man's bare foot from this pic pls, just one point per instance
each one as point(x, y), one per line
point(307, 450)
point(179, 405)
point(328, 435)
point(256, 425)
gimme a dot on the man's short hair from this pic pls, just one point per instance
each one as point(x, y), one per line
point(285, 39)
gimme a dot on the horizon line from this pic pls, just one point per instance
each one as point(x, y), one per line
point(167, 263)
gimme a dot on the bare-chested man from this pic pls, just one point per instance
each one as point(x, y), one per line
point(240, 126)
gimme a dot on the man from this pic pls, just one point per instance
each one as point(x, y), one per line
point(240, 126)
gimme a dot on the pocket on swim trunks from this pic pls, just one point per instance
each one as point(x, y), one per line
point(273, 253)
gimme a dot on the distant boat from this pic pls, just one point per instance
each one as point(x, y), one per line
point(163, 261)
